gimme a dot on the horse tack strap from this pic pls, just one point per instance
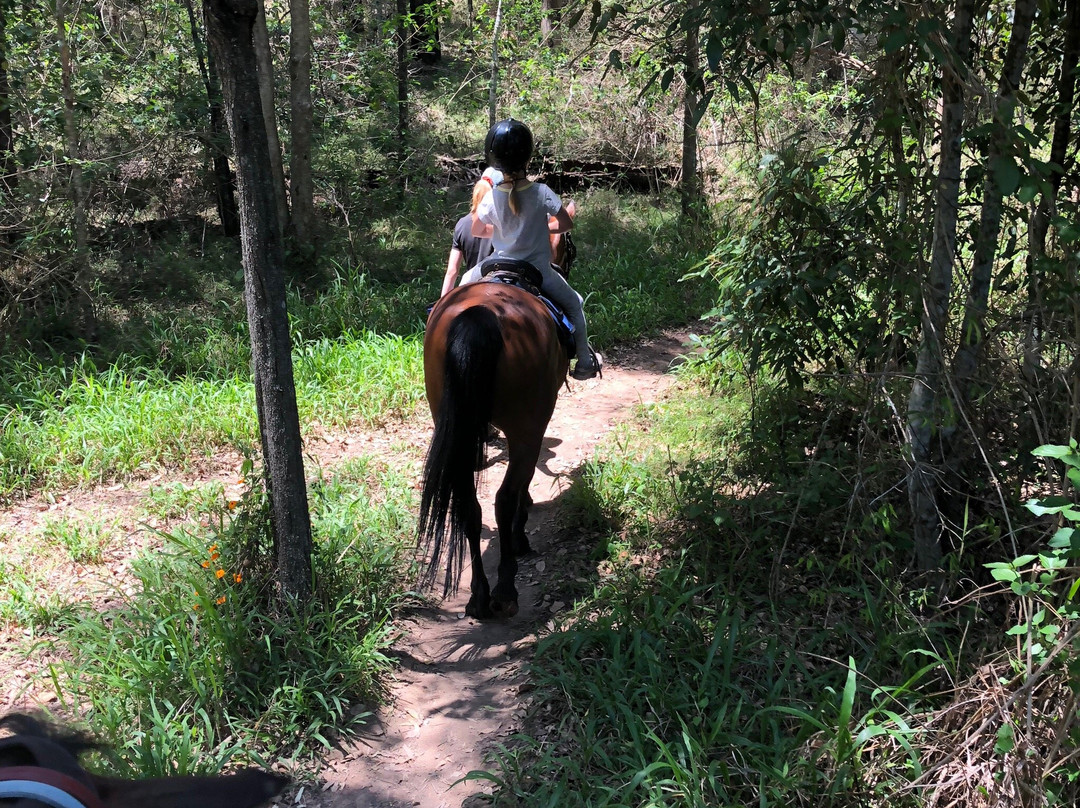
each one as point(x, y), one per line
point(46, 786)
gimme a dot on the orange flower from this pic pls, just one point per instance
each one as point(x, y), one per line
point(231, 504)
point(220, 600)
point(195, 606)
point(220, 573)
point(238, 578)
point(206, 565)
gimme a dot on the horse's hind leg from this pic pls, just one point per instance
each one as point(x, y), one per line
point(511, 511)
point(479, 605)
point(521, 516)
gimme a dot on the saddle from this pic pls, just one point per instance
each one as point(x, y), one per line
point(525, 276)
point(513, 271)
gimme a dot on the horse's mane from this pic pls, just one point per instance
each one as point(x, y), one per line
point(38, 725)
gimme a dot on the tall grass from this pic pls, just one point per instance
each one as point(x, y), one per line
point(695, 668)
point(201, 666)
point(82, 425)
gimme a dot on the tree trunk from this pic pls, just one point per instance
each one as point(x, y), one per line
point(230, 24)
point(217, 143)
point(493, 86)
point(971, 333)
point(9, 179)
point(401, 37)
point(690, 188)
point(300, 182)
point(1040, 218)
point(927, 419)
point(71, 143)
point(550, 21)
point(266, 94)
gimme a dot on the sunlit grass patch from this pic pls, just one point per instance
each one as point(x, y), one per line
point(177, 500)
point(84, 540)
point(83, 426)
point(200, 665)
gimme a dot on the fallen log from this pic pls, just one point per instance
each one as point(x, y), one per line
point(566, 176)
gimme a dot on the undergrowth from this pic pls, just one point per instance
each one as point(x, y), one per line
point(199, 665)
point(745, 641)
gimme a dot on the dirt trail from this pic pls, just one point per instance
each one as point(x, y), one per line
point(459, 688)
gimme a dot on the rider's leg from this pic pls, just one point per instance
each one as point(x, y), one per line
point(556, 288)
point(471, 276)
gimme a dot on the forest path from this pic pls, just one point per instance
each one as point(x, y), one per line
point(458, 690)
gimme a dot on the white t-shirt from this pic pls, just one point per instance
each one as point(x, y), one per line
point(525, 235)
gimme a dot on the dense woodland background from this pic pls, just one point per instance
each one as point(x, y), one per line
point(865, 212)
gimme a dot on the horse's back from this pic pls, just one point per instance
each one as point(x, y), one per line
point(533, 362)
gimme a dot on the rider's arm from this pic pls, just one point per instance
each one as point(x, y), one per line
point(560, 222)
point(452, 267)
point(481, 229)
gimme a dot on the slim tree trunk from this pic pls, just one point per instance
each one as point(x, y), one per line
point(71, 140)
point(927, 419)
point(549, 22)
point(401, 38)
point(1040, 218)
point(493, 86)
point(8, 176)
point(230, 24)
point(690, 187)
point(266, 94)
point(217, 143)
point(971, 333)
point(303, 193)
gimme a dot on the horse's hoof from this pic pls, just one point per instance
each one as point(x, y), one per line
point(505, 610)
point(479, 612)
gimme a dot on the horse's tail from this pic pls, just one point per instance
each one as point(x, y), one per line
point(474, 344)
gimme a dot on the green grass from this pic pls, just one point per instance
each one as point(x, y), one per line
point(200, 666)
point(83, 540)
point(84, 426)
point(694, 668)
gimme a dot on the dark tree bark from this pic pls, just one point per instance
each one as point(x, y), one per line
point(229, 26)
point(266, 94)
point(8, 176)
point(217, 142)
point(928, 423)
point(1039, 225)
point(971, 333)
point(690, 187)
point(300, 181)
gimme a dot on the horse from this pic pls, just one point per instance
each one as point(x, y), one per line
point(563, 249)
point(39, 765)
point(492, 356)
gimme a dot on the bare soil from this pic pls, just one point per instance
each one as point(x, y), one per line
point(461, 686)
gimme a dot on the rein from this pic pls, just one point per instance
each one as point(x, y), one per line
point(46, 786)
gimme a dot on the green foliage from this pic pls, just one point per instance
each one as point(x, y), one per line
point(202, 666)
point(696, 670)
point(804, 288)
point(78, 424)
point(83, 540)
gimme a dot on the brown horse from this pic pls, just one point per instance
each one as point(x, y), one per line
point(563, 249)
point(492, 356)
point(39, 765)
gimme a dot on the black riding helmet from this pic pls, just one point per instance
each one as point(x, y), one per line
point(509, 146)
